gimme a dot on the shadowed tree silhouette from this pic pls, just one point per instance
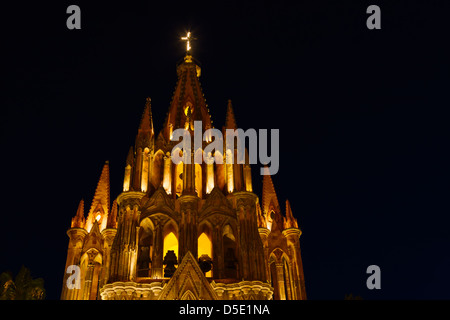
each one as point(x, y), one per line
point(23, 287)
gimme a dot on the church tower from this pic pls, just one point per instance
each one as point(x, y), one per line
point(186, 230)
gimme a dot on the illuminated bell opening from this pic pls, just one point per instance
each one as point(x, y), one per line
point(187, 108)
point(98, 217)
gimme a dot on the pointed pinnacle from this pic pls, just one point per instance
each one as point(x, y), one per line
point(230, 120)
point(78, 221)
point(291, 222)
point(130, 157)
point(146, 124)
point(80, 210)
point(112, 218)
point(269, 196)
point(102, 192)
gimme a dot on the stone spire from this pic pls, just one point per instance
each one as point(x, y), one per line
point(145, 131)
point(78, 221)
point(130, 157)
point(269, 196)
point(188, 96)
point(100, 203)
point(290, 221)
point(112, 218)
point(230, 120)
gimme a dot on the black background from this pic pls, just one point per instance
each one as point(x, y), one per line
point(362, 116)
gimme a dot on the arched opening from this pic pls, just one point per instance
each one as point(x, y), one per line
point(274, 280)
point(205, 249)
point(170, 243)
point(188, 295)
point(179, 179)
point(157, 169)
point(219, 170)
point(237, 172)
point(91, 264)
point(145, 169)
point(188, 107)
point(287, 280)
point(229, 251)
point(229, 171)
point(269, 219)
point(145, 248)
point(198, 180)
point(170, 256)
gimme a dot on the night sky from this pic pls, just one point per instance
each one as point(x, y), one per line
point(362, 115)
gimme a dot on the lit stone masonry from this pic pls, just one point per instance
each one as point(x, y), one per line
point(131, 291)
point(184, 230)
point(245, 290)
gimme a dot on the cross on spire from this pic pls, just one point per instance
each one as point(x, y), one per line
point(188, 40)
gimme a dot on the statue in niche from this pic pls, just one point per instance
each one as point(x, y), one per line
point(205, 263)
point(170, 261)
point(144, 262)
point(230, 263)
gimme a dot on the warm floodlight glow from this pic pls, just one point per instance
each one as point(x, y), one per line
point(98, 217)
point(170, 243)
point(209, 177)
point(167, 175)
point(205, 247)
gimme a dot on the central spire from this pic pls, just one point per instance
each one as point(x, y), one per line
point(188, 101)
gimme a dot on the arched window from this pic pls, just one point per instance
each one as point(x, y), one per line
point(145, 248)
point(188, 295)
point(170, 256)
point(179, 179)
point(205, 248)
point(219, 170)
point(145, 170)
point(91, 264)
point(229, 251)
point(287, 280)
point(198, 180)
point(269, 219)
point(229, 171)
point(170, 243)
point(157, 169)
point(273, 277)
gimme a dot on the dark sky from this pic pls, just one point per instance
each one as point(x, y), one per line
point(362, 115)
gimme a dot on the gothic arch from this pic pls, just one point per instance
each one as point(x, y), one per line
point(229, 227)
point(288, 279)
point(145, 247)
point(219, 169)
point(170, 238)
point(170, 226)
point(90, 264)
point(230, 254)
point(205, 227)
point(188, 295)
point(281, 275)
point(205, 242)
point(178, 178)
point(273, 276)
point(198, 180)
point(158, 167)
point(229, 174)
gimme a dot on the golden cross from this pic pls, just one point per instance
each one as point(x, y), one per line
point(188, 40)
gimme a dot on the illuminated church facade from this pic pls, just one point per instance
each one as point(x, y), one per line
point(184, 231)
